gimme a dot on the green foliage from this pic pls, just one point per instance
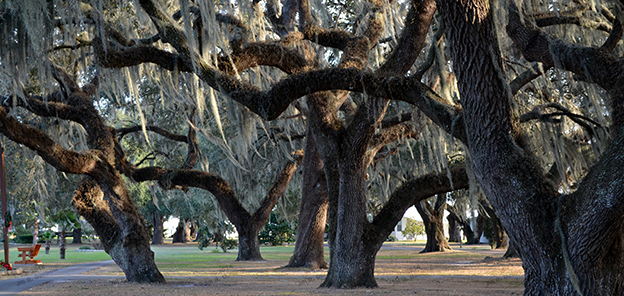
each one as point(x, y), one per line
point(24, 239)
point(85, 247)
point(413, 227)
point(276, 232)
point(65, 219)
point(391, 238)
point(229, 244)
point(47, 236)
point(211, 234)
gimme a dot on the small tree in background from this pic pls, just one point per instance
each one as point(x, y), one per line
point(65, 220)
point(413, 228)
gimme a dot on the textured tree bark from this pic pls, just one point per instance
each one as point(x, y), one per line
point(313, 211)
point(433, 217)
point(134, 257)
point(248, 243)
point(569, 244)
point(352, 264)
point(157, 220)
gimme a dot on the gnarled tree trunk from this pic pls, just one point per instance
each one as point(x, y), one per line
point(132, 254)
point(453, 229)
point(433, 218)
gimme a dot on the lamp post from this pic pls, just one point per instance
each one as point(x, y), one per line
point(4, 205)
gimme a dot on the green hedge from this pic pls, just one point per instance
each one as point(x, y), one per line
point(24, 239)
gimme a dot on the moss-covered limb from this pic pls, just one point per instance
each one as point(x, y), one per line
point(525, 77)
point(397, 119)
point(263, 54)
point(62, 159)
point(592, 64)
point(539, 113)
point(192, 154)
point(615, 35)
point(121, 132)
point(391, 134)
point(570, 17)
point(176, 178)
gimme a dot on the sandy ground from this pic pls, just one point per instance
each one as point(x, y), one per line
point(398, 272)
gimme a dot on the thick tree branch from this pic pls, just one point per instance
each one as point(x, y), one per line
point(413, 37)
point(62, 159)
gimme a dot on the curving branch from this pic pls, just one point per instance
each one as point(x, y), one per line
point(525, 77)
point(570, 17)
point(411, 192)
point(398, 119)
point(539, 113)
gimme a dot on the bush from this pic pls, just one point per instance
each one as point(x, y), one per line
point(391, 238)
point(229, 244)
point(276, 232)
point(24, 239)
point(85, 247)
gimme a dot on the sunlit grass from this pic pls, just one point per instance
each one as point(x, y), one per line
point(182, 260)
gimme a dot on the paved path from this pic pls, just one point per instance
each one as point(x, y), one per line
point(16, 285)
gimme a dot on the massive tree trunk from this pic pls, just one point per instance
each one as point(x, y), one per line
point(453, 229)
point(77, 236)
point(567, 248)
point(313, 211)
point(433, 218)
point(182, 233)
point(248, 243)
point(157, 220)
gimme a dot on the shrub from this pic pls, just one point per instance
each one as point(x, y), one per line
point(391, 238)
point(276, 232)
point(85, 247)
point(24, 239)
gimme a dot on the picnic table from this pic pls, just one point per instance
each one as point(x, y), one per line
point(31, 253)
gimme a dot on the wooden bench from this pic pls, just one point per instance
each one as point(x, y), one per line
point(31, 252)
